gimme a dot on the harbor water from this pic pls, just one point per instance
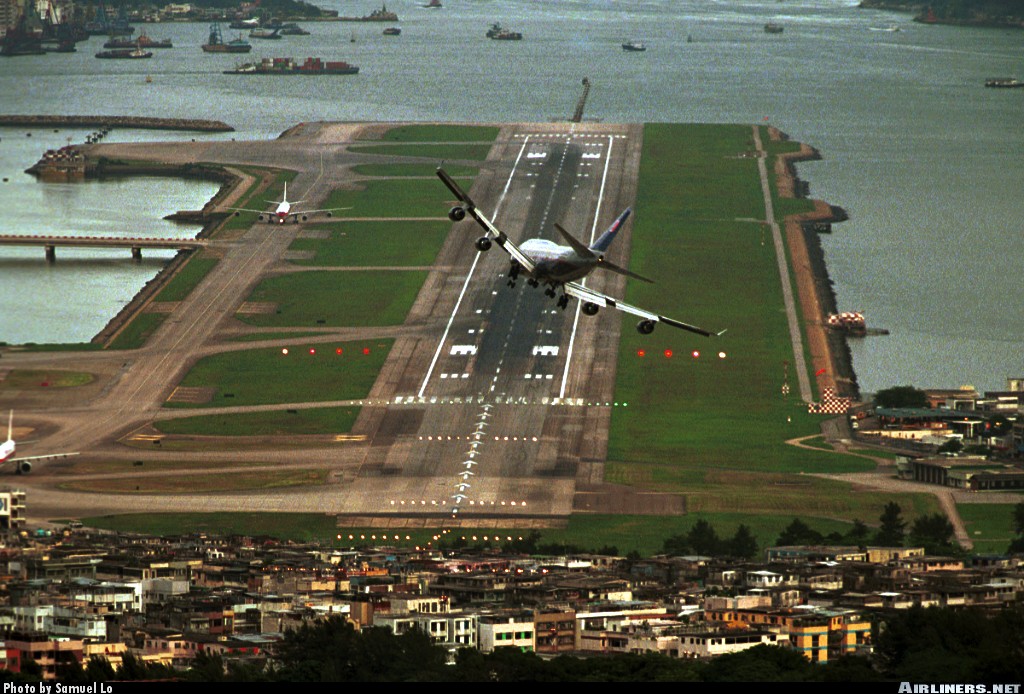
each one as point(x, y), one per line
point(925, 159)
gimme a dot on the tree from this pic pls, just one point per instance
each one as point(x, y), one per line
point(798, 533)
point(703, 539)
point(859, 533)
point(901, 396)
point(934, 533)
point(893, 526)
point(743, 544)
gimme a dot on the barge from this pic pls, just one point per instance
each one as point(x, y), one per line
point(287, 66)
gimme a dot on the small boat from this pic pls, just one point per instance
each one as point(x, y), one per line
point(634, 46)
point(434, 4)
point(393, 31)
point(293, 30)
point(265, 34)
point(499, 33)
point(773, 28)
point(1004, 82)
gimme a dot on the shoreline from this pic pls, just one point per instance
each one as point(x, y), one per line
point(829, 352)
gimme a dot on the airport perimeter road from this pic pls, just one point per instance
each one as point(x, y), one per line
point(502, 411)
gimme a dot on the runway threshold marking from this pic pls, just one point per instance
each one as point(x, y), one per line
point(472, 269)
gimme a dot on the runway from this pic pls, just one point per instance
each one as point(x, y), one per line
point(493, 404)
point(504, 410)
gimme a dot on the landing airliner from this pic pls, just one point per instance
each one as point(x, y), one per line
point(558, 266)
point(284, 210)
point(21, 465)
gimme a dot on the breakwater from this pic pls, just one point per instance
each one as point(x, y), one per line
point(135, 122)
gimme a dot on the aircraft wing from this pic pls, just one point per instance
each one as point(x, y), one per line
point(589, 295)
point(493, 232)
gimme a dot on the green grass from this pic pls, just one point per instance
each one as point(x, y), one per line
point(321, 420)
point(43, 378)
point(369, 243)
point(716, 427)
point(643, 534)
point(138, 331)
point(437, 152)
point(412, 170)
point(393, 198)
point(440, 132)
point(186, 279)
point(990, 526)
point(343, 299)
point(270, 377)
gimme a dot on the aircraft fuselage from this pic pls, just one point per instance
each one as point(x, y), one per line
point(555, 263)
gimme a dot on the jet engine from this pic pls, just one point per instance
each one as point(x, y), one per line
point(304, 217)
point(590, 308)
point(645, 327)
point(457, 213)
point(262, 218)
point(483, 244)
point(24, 467)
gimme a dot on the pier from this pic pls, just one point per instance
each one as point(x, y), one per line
point(50, 243)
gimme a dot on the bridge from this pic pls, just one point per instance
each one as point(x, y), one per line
point(136, 244)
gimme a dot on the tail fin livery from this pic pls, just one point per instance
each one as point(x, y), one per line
point(605, 240)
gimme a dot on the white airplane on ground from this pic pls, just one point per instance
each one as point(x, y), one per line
point(21, 465)
point(284, 210)
point(560, 266)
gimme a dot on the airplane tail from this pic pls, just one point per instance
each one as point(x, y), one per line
point(10, 426)
point(605, 240)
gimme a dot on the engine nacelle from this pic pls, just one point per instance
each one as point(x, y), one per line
point(645, 327)
point(24, 467)
point(457, 213)
point(329, 214)
point(590, 308)
point(305, 217)
point(483, 244)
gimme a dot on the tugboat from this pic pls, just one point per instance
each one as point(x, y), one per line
point(216, 44)
point(773, 28)
point(499, 33)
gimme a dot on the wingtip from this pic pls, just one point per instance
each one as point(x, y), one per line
point(720, 333)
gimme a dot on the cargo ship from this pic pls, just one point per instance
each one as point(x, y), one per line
point(287, 66)
point(142, 42)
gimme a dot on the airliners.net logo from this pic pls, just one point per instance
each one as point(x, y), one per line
point(915, 688)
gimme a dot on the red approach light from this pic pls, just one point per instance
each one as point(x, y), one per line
point(668, 354)
point(696, 354)
point(284, 350)
point(366, 350)
point(312, 351)
point(641, 353)
point(338, 351)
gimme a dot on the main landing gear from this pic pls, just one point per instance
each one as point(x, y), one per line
point(513, 273)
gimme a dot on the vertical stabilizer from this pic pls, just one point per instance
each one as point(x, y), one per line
point(605, 240)
point(10, 426)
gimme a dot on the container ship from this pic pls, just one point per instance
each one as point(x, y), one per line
point(287, 66)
